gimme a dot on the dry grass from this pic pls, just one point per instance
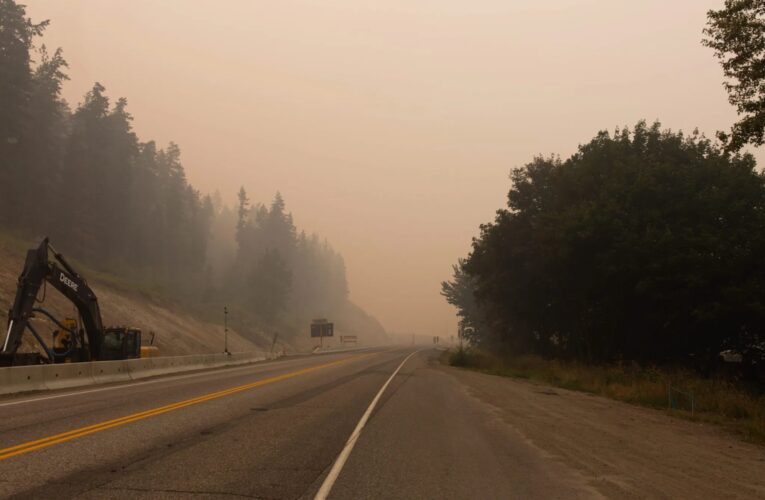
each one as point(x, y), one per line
point(716, 400)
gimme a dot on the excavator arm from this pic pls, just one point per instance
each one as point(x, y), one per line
point(38, 269)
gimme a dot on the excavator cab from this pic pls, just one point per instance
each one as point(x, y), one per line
point(120, 343)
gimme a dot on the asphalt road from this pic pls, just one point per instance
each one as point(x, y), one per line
point(274, 430)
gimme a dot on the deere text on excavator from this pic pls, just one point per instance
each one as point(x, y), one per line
point(90, 341)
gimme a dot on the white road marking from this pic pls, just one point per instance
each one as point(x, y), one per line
point(337, 467)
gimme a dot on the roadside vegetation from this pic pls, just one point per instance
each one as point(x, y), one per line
point(635, 264)
point(646, 245)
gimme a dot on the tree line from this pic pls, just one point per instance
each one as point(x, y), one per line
point(83, 177)
point(278, 268)
point(645, 245)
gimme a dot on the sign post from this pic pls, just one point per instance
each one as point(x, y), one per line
point(273, 344)
point(225, 330)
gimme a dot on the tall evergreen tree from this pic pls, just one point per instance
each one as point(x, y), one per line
point(44, 147)
point(17, 33)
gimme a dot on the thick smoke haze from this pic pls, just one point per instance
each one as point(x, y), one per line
point(390, 126)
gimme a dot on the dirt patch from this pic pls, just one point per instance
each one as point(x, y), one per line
point(625, 451)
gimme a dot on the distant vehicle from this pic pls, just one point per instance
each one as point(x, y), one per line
point(89, 341)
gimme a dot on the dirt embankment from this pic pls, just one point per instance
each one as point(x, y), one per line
point(624, 451)
point(176, 332)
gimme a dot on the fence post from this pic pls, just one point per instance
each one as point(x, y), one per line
point(693, 403)
point(669, 395)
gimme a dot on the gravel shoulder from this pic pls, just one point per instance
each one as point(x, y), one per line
point(624, 451)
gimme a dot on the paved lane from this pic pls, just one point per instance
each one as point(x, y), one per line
point(431, 439)
point(273, 430)
point(282, 432)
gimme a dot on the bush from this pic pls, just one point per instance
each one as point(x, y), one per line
point(644, 245)
point(459, 357)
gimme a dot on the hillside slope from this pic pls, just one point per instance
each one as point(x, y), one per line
point(177, 333)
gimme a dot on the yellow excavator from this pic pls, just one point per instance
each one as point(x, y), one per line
point(87, 340)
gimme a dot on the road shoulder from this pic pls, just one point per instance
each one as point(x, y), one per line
point(624, 451)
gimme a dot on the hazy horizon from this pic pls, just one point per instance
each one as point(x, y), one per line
point(389, 130)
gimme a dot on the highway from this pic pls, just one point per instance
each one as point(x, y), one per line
point(274, 430)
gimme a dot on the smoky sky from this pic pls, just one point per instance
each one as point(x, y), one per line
point(390, 127)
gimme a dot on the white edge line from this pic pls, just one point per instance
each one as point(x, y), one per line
point(337, 467)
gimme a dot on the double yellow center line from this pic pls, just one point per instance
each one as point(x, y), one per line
point(27, 447)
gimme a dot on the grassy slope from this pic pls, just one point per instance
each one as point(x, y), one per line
point(716, 401)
